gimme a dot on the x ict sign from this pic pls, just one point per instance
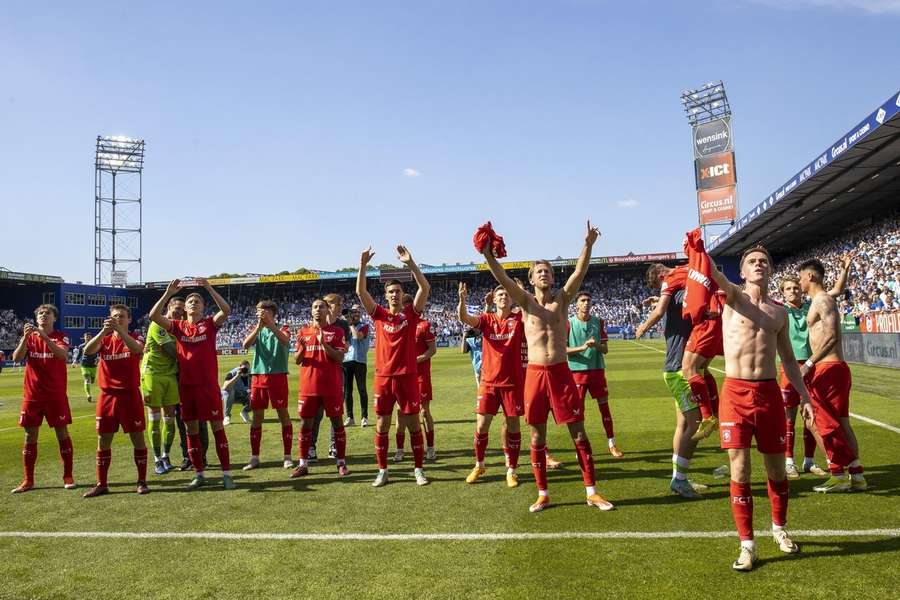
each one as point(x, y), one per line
point(715, 171)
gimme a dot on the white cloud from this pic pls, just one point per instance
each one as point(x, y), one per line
point(410, 173)
point(630, 203)
point(869, 6)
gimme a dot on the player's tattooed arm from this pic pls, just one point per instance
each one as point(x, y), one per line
point(461, 312)
point(840, 283)
point(157, 312)
point(365, 298)
point(424, 288)
point(581, 266)
point(224, 307)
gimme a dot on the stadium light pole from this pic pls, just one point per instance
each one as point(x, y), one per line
point(703, 105)
point(118, 211)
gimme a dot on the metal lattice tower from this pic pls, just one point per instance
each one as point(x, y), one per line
point(118, 191)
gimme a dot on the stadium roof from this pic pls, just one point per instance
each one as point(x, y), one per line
point(856, 177)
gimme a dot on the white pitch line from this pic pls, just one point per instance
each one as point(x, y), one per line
point(406, 537)
point(865, 419)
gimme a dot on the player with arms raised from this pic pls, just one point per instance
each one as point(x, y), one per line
point(754, 329)
point(549, 386)
point(45, 351)
point(198, 367)
point(395, 361)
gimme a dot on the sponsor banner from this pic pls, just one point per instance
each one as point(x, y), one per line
point(880, 322)
point(718, 205)
point(862, 130)
point(450, 269)
point(714, 171)
point(519, 264)
point(849, 324)
point(712, 138)
point(563, 262)
point(118, 278)
point(882, 349)
point(640, 258)
point(290, 277)
point(15, 275)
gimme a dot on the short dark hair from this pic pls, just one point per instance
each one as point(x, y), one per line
point(192, 294)
point(815, 265)
point(49, 307)
point(757, 248)
point(582, 293)
point(176, 299)
point(113, 307)
point(393, 282)
point(268, 305)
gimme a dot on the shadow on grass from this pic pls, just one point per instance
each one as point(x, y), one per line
point(839, 548)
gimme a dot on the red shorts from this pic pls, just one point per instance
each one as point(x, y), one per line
point(593, 381)
point(308, 406)
point(269, 389)
point(706, 339)
point(551, 388)
point(201, 402)
point(402, 390)
point(751, 408)
point(120, 407)
point(424, 388)
point(830, 394)
point(791, 396)
point(56, 409)
point(491, 398)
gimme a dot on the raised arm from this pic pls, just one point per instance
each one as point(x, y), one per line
point(731, 290)
point(156, 313)
point(573, 284)
point(365, 298)
point(840, 284)
point(22, 347)
point(135, 346)
point(516, 293)
point(654, 317)
point(461, 311)
point(224, 307)
point(93, 345)
point(794, 375)
point(424, 290)
point(250, 340)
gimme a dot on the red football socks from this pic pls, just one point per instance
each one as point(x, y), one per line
point(381, 449)
point(700, 395)
point(305, 442)
point(481, 443)
point(104, 457)
point(287, 438)
point(340, 442)
point(65, 453)
point(585, 461)
point(607, 419)
point(512, 449)
point(29, 457)
point(778, 498)
point(539, 466)
point(789, 438)
point(417, 441)
point(255, 439)
point(195, 451)
point(140, 461)
point(742, 509)
point(222, 449)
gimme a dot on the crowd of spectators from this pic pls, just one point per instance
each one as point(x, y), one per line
point(10, 328)
point(874, 283)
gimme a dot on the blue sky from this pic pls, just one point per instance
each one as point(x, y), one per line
point(282, 135)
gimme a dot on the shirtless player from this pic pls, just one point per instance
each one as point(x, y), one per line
point(750, 405)
point(549, 385)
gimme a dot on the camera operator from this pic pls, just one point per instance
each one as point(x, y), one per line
point(355, 366)
point(237, 389)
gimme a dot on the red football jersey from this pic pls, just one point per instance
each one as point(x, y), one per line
point(674, 281)
point(502, 339)
point(319, 375)
point(120, 368)
point(196, 347)
point(716, 304)
point(45, 375)
point(424, 335)
point(395, 341)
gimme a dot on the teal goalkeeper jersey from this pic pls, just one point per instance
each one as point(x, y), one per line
point(270, 356)
point(579, 332)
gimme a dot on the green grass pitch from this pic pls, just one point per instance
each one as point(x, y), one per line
point(268, 502)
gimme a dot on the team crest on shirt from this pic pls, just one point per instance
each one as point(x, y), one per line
point(510, 324)
point(726, 435)
point(201, 328)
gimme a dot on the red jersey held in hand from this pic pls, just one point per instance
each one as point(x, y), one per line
point(120, 368)
point(196, 346)
point(395, 341)
point(501, 345)
point(424, 335)
point(319, 375)
point(45, 375)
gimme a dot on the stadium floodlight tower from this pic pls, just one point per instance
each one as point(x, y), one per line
point(118, 191)
point(708, 103)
